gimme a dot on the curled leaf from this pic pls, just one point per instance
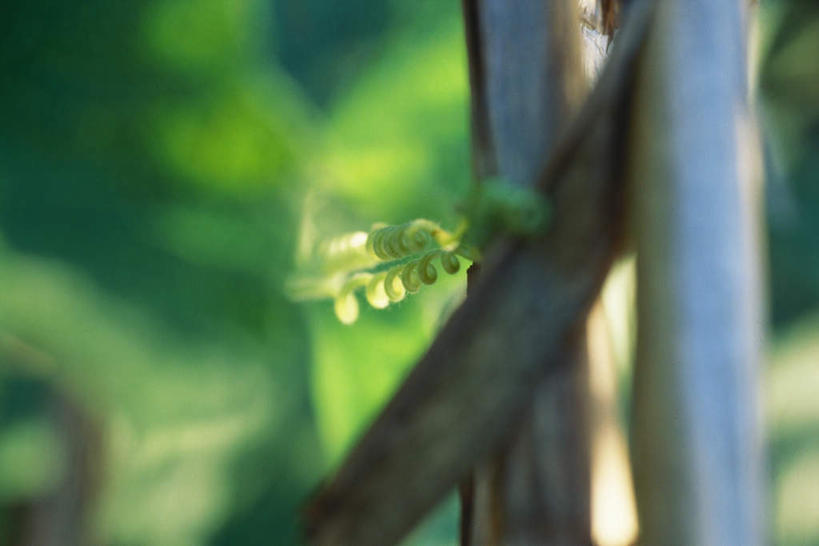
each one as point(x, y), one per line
point(346, 308)
point(376, 292)
point(388, 262)
point(409, 277)
point(393, 286)
point(426, 271)
point(450, 263)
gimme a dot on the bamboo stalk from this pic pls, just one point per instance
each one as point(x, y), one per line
point(697, 445)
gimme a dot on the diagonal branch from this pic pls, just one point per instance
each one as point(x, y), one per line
point(468, 391)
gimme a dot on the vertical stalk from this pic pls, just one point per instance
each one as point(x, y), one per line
point(696, 435)
point(527, 77)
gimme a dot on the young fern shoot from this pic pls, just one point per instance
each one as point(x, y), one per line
point(387, 263)
point(391, 261)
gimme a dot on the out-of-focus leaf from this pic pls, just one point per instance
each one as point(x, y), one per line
point(791, 384)
point(176, 415)
point(397, 140)
point(355, 368)
point(30, 460)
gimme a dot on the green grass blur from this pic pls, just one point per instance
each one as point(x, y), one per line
point(163, 163)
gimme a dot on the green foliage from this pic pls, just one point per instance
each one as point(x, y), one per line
point(789, 93)
point(154, 157)
point(30, 459)
point(793, 423)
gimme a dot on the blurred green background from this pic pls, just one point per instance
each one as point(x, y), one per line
point(163, 163)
